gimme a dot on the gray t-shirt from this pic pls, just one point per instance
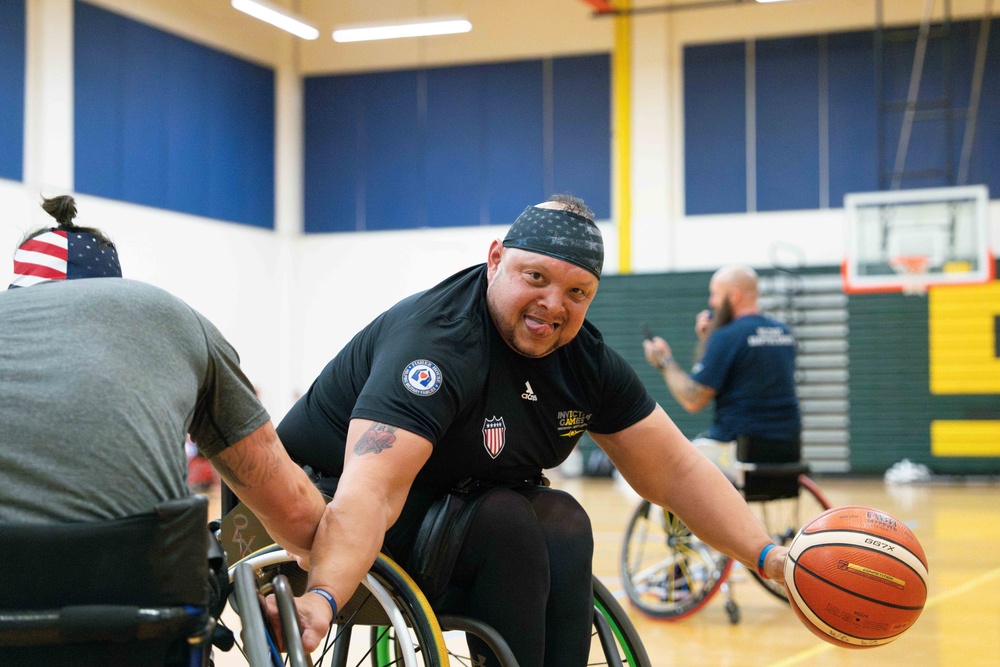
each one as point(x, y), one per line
point(100, 380)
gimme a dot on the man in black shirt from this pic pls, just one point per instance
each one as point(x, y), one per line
point(493, 375)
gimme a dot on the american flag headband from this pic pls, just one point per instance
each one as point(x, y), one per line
point(62, 255)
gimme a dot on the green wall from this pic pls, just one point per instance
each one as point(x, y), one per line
point(890, 404)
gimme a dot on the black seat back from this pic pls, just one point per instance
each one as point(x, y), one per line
point(772, 468)
point(154, 559)
point(750, 449)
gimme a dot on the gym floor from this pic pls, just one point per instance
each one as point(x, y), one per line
point(957, 523)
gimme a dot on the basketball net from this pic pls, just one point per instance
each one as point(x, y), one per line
point(912, 271)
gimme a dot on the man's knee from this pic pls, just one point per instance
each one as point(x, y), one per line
point(563, 519)
point(507, 522)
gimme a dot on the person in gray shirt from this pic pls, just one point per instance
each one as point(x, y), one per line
point(101, 378)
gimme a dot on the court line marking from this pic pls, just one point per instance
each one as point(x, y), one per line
point(932, 601)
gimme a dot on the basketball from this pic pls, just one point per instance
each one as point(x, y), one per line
point(856, 577)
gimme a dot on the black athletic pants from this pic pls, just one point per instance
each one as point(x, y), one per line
point(525, 568)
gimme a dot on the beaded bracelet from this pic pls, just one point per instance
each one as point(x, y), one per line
point(760, 561)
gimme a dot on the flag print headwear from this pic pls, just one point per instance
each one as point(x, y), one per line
point(66, 252)
point(560, 234)
point(64, 255)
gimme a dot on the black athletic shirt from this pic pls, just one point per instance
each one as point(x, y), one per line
point(434, 364)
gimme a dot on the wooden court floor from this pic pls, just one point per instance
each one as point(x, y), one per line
point(957, 523)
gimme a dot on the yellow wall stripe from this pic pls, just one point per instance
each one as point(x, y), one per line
point(962, 338)
point(622, 86)
point(965, 438)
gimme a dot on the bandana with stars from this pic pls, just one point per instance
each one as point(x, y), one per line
point(560, 234)
point(64, 255)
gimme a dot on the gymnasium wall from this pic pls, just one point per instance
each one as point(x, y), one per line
point(455, 146)
point(797, 123)
point(168, 123)
point(289, 301)
point(922, 372)
point(12, 56)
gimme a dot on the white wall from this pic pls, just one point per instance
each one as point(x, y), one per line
point(288, 302)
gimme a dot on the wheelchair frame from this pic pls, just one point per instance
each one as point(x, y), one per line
point(403, 628)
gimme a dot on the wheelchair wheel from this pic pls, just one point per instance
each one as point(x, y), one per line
point(783, 517)
point(624, 647)
point(667, 571)
point(614, 639)
point(388, 600)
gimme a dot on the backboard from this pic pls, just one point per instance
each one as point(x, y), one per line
point(908, 240)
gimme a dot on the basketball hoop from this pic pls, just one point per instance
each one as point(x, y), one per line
point(912, 271)
point(909, 240)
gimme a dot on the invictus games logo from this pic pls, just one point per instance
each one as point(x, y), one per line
point(572, 422)
point(422, 377)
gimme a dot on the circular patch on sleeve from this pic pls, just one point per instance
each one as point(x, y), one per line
point(422, 377)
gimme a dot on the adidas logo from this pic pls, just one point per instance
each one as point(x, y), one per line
point(528, 394)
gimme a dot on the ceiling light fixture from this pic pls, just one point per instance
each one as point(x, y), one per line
point(277, 16)
point(418, 28)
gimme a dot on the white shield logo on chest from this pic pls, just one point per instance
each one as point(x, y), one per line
point(494, 436)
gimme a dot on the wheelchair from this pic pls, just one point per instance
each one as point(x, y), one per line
point(130, 592)
point(388, 621)
point(670, 574)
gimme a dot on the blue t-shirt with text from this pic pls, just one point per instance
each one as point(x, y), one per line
point(750, 363)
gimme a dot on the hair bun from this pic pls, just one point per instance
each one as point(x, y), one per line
point(62, 208)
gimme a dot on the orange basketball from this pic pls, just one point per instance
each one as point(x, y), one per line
point(856, 577)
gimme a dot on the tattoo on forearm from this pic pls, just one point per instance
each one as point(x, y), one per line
point(228, 473)
point(250, 466)
point(684, 389)
point(375, 439)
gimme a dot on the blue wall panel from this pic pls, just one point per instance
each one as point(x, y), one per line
point(393, 152)
point(453, 164)
point(864, 121)
point(853, 114)
point(787, 85)
point(715, 128)
point(147, 56)
point(514, 164)
point(453, 146)
point(928, 146)
point(164, 122)
point(334, 155)
point(985, 164)
point(581, 110)
point(12, 45)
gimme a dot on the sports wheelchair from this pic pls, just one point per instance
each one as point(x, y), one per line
point(397, 625)
point(669, 573)
point(130, 592)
